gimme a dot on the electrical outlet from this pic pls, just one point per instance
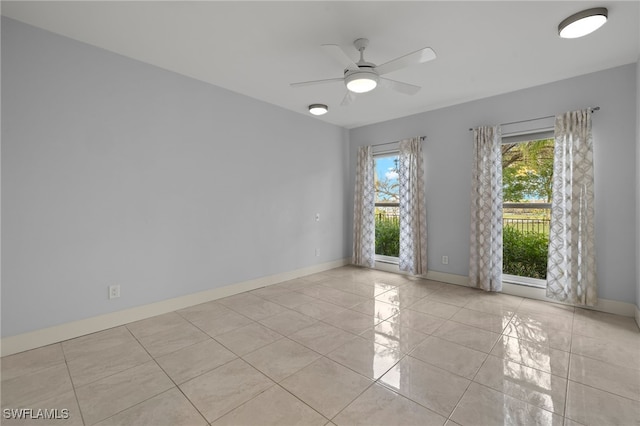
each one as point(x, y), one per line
point(445, 260)
point(317, 217)
point(317, 252)
point(114, 291)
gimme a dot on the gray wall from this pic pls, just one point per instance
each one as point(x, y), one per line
point(117, 172)
point(448, 156)
point(637, 260)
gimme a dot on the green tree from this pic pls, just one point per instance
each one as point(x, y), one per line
point(527, 170)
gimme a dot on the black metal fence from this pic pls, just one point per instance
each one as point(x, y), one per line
point(527, 217)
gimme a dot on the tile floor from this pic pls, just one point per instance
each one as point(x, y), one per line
point(348, 346)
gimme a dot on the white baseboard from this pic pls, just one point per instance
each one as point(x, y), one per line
point(46, 336)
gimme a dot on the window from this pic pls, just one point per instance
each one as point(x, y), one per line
point(527, 176)
point(387, 207)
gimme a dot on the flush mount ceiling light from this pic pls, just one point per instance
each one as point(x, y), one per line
point(318, 109)
point(583, 23)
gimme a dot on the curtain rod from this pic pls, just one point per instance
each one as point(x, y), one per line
point(592, 109)
point(389, 143)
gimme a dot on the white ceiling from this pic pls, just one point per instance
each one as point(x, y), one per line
point(258, 48)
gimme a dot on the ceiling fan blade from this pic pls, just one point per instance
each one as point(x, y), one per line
point(414, 58)
point(348, 98)
point(340, 55)
point(406, 88)
point(314, 82)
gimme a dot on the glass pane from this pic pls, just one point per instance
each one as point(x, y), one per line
point(387, 213)
point(527, 176)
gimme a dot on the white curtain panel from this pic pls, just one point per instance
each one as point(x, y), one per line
point(571, 269)
point(485, 258)
point(413, 216)
point(364, 227)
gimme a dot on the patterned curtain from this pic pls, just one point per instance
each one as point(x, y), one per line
point(485, 259)
point(413, 216)
point(571, 269)
point(364, 227)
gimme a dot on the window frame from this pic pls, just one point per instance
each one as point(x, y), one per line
point(523, 137)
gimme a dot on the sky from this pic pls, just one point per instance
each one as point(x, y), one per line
point(385, 168)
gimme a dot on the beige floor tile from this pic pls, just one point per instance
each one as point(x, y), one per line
point(505, 300)
point(319, 310)
point(430, 386)
point(466, 335)
point(483, 320)
point(150, 326)
point(379, 406)
point(449, 297)
point(612, 378)
point(170, 408)
point(292, 299)
point(322, 337)
point(239, 300)
point(281, 358)
point(187, 363)
point(303, 281)
point(221, 390)
point(435, 308)
point(341, 298)
point(364, 323)
point(532, 355)
point(525, 383)
point(371, 360)
point(274, 407)
point(96, 342)
point(546, 307)
point(489, 307)
point(481, 405)
point(28, 389)
point(260, 310)
point(288, 322)
point(617, 352)
point(61, 401)
point(221, 324)
point(361, 289)
point(450, 356)
point(544, 321)
point(422, 288)
point(606, 326)
point(97, 364)
point(395, 336)
point(248, 338)
point(204, 312)
point(108, 396)
point(377, 309)
point(352, 321)
point(271, 291)
point(534, 333)
point(171, 338)
point(417, 320)
point(313, 278)
point(31, 361)
point(326, 386)
point(403, 296)
point(591, 406)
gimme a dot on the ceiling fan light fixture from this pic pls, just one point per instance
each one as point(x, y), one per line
point(582, 23)
point(361, 81)
point(318, 109)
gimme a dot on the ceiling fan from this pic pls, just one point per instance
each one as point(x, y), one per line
point(362, 76)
